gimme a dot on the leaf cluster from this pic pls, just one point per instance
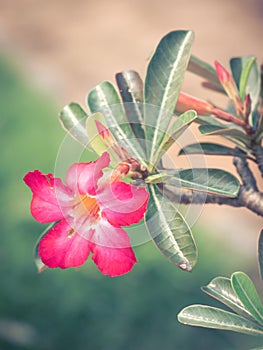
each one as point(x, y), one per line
point(239, 294)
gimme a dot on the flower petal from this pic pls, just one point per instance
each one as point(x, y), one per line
point(63, 247)
point(45, 204)
point(123, 204)
point(111, 248)
point(83, 178)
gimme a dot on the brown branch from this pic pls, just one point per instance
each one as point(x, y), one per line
point(259, 159)
point(248, 199)
point(243, 170)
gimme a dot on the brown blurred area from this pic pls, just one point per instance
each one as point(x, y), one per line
point(69, 46)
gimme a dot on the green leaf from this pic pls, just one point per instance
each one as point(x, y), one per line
point(38, 262)
point(177, 128)
point(214, 181)
point(105, 99)
point(212, 149)
point(234, 135)
point(73, 119)
point(211, 317)
point(210, 129)
point(204, 70)
point(130, 86)
point(207, 120)
point(246, 292)
point(260, 253)
point(246, 74)
point(169, 231)
point(163, 82)
point(157, 178)
point(220, 288)
point(214, 87)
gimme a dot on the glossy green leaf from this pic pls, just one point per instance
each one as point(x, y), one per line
point(130, 86)
point(207, 120)
point(246, 74)
point(211, 317)
point(157, 178)
point(234, 135)
point(214, 87)
point(105, 99)
point(210, 129)
point(73, 119)
point(169, 231)
point(204, 70)
point(246, 292)
point(163, 82)
point(214, 181)
point(177, 128)
point(212, 149)
point(220, 288)
point(38, 262)
point(260, 253)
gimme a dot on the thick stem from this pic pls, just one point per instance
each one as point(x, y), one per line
point(248, 199)
point(259, 158)
point(248, 179)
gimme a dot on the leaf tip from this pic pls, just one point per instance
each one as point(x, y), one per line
point(185, 267)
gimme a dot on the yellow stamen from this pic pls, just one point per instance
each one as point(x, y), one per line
point(91, 205)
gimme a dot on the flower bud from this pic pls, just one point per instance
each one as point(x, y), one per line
point(186, 102)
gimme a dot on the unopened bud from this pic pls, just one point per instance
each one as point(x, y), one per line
point(230, 87)
point(103, 131)
point(223, 75)
point(247, 106)
point(186, 102)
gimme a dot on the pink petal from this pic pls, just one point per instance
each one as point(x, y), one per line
point(62, 247)
point(83, 177)
point(111, 248)
point(46, 189)
point(123, 204)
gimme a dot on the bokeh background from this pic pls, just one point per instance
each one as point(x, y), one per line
point(52, 53)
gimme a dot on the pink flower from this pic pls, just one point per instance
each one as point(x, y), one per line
point(90, 209)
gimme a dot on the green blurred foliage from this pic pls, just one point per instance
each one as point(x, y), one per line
point(82, 309)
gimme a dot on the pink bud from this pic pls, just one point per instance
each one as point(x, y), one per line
point(247, 106)
point(103, 131)
point(223, 75)
point(229, 86)
point(186, 102)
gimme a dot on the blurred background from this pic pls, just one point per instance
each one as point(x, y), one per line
point(52, 53)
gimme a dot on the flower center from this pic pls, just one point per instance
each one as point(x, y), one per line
point(91, 206)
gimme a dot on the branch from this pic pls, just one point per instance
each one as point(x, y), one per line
point(259, 158)
point(248, 197)
point(247, 177)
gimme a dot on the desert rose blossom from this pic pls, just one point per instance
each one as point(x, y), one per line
point(90, 209)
